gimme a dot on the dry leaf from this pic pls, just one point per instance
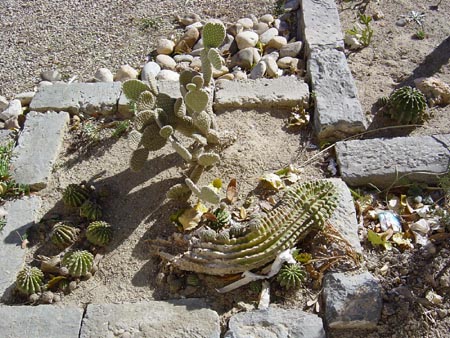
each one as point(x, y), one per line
point(190, 218)
point(53, 283)
point(232, 191)
point(273, 181)
point(242, 213)
point(210, 216)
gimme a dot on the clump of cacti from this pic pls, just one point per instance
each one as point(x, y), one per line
point(63, 234)
point(291, 276)
point(222, 219)
point(407, 105)
point(91, 210)
point(29, 280)
point(74, 195)
point(79, 263)
point(99, 233)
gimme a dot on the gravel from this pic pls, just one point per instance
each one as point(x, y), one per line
point(77, 37)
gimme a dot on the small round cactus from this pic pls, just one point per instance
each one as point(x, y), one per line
point(407, 105)
point(29, 280)
point(91, 210)
point(63, 235)
point(99, 233)
point(75, 195)
point(79, 263)
point(222, 219)
point(291, 276)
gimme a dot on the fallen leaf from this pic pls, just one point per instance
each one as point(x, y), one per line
point(242, 213)
point(400, 240)
point(232, 191)
point(210, 216)
point(434, 298)
point(378, 239)
point(273, 181)
point(53, 283)
point(190, 218)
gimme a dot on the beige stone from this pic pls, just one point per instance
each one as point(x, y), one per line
point(436, 90)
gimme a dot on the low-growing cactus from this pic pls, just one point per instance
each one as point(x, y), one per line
point(99, 233)
point(79, 263)
point(291, 276)
point(407, 105)
point(74, 195)
point(29, 280)
point(91, 210)
point(63, 235)
point(222, 219)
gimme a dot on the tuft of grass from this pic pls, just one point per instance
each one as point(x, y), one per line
point(122, 128)
point(150, 23)
point(8, 187)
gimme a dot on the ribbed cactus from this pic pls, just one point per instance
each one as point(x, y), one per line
point(99, 233)
point(291, 276)
point(63, 235)
point(79, 263)
point(74, 195)
point(29, 280)
point(222, 219)
point(91, 210)
point(407, 105)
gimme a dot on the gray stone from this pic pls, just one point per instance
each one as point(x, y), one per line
point(338, 113)
point(320, 25)
point(39, 145)
point(3, 103)
point(40, 321)
point(383, 162)
point(280, 93)
point(6, 136)
point(126, 72)
point(25, 97)
point(258, 71)
point(272, 67)
point(352, 301)
point(267, 18)
point(268, 35)
point(186, 318)
point(292, 49)
point(150, 68)
point(88, 98)
point(277, 42)
point(244, 58)
point(21, 215)
point(247, 23)
point(168, 75)
point(165, 46)
point(261, 27)
point(103, 75)
point(51, 75)
point(14, 109)
point(246, 39)
point(183, 58)
point(275, 323)
point(165, 61)
point(226, 44)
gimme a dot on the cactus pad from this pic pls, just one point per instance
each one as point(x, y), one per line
point(151, 139)
point(407, 105)
point(197, 99)
point(99, 233)
point(213, 34)
point(182, 151)
point(29, 280)
point(179, 192)
point(291, 276)
point(133, 88)
point(91, 210)
point(63, 235)
point(208, 159)
point(202, 120)
point(146, 101)
point(134, 138)
point(74, 195)
point(79, 263)
point(215, 58)
point(143, 119)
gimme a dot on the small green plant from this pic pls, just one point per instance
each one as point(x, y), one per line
point(150, 23)
point(420, 34)
point(90, 132)
point(362, 34)
point(99, 233)
point(291, 276)
point(407, 105)
point(8, 187)
point(122, 128)
point(222, 219)
point(79, 263)
point(75, 195)
point(91, 210)
point(63, 235)
point(29, 280)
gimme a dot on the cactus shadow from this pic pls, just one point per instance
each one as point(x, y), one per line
point(382, 126)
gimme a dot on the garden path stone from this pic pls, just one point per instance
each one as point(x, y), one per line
point(281, 93)
point(98, 98)
point(22, 213)
point(47, 321)
point(39, 144)
point(188, 318)
point(338, 113)
point(275, 322)
point(382, 162)
point(352, 301)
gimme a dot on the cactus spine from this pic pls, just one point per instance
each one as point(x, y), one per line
point(407, 105)
point(29, 280)
point(99, 233)
point(79, 263)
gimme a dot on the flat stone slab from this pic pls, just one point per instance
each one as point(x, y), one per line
point(386, 162)
point(338, 113)
point(186, 318)
point(352, 301)
point(99, 98)
point(38, 146)
point(47, 321)
point(280, 93)
point(275, 323)
point(21, 215)
point(320, 25)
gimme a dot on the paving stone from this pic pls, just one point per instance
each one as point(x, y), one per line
point(47, 321)
point(382, 162)
point(6, 136)
point(98, 98)
point(38, 146)
point(320, 25)
point(280, 93)
point(338, 113)
point(22, 214)
point(275, 323)
point(352, 301)
point(188, 318)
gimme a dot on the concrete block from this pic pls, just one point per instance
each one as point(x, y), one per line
point(47, 321)
point(338, 113)
point(186, 318)
point(94, 99)
point(21, 215)
point(384, 162)
point(280, 93)
point(38, 147)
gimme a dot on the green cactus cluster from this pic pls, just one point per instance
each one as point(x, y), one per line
point(63, 235)
point(291, 276)
point(75, 195)
point(222, 219)
point(407, 105)
point(29, 280)
point(79, 262)
point(99, 233)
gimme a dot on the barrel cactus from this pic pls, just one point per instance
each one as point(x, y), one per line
point(91, 210)
point(222, 219)
point(291, 276)
point(63, 235)
point(74, 195)
point(29, 280)
point(99, 233)
point(79, 263)
point(407, 105)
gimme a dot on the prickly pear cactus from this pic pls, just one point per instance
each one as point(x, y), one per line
point(79, 263)
point(29, 280)
point(91, 210)
point(291, 276)
point(407, 105)
point(213, 34)
point(63, 235)
point(74, 195)
point(99, 233)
